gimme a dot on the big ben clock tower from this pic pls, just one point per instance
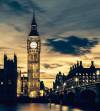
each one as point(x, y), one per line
point(33, 51)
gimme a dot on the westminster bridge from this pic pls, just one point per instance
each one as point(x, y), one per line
point(81, 85)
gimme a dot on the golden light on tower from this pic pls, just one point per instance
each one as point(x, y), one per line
point(33, 50)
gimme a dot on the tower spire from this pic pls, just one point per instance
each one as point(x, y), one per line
point(34, 31)
point(34, 20)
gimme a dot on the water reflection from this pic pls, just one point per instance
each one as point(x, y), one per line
point(8, 108)
point(36, 107)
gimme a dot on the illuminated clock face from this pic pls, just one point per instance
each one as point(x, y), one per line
point(33, 45)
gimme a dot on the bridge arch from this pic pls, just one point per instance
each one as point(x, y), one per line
point(70, 97)
point(88, 96)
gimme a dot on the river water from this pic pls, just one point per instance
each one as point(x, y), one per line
point(36, 107)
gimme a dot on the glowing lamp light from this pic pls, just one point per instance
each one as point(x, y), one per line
point(41, 92)
point(64, 84)
point(98, 73)
point(57, 87)
point(87, 81)
point(76, 79)
point(1, 83)
point(33, 94)
point(72, 87)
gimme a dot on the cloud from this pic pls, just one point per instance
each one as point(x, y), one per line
point(2, 48)
point(97, 58)
point(17, 6)
point(72, 45)
point(44, 75)
point(47, 66)
point(37, 7)
point(20, 67)
point(13, 5)
point(69, 15)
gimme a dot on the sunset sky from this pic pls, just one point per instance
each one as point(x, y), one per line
point(69, 30)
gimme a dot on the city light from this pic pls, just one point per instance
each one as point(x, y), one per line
point(76, 79)
point(1, 83)
point(79, 83)
point(72, 87)
point(64, 84)
point(98, 72)
point(57, 87)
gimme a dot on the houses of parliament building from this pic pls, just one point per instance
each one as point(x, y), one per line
point(8, 79)
point(11, 83)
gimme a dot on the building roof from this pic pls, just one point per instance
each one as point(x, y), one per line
point(34, 31)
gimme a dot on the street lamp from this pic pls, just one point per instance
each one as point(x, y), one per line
point(98, 75)
point(57, 87)
point(76, 80)
point(72, 87)
point(64, 84)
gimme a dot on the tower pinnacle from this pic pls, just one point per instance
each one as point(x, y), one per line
point(33, 31)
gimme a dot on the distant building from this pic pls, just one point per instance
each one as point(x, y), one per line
point(8, 79)
point(60, 80)
point(77, 76)
point(19, 84)
point(24, 86)
point(42, 88)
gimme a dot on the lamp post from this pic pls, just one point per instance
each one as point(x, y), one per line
point(57, 87)
point(72, 87)
point(64, 85)
point(76, 81)
point(98, 75)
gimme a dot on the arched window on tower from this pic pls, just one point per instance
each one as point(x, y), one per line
point(35, 57)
